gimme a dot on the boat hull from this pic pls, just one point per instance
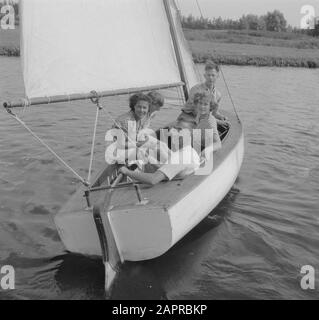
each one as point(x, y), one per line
point(148, 230)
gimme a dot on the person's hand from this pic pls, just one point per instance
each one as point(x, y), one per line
point(223, 123)
point(220, 117)
point(226, 122)
point(124, 170)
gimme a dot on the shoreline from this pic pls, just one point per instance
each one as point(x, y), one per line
point(225, 59)
point(257, 61)
point(9, 52)
point(254, 48)
point(227, 48)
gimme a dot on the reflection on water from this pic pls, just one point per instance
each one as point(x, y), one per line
point(253, 244)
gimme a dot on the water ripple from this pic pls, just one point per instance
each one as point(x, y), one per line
point(251, 247)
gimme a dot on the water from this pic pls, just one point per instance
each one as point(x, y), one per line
point(252, 246)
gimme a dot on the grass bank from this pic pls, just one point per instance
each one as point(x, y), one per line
point(257, 48)
point(260, 38)
point(246, 54)
point(9, 42)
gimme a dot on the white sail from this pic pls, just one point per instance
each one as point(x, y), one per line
point(75, 46)
point(192, 75)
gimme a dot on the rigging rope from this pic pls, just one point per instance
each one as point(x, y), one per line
point(81, 179)
point(48, 148)
point(181, 95)
point(223, 76)
point(119, 127)
point(200, 10)
point(98, 108)
point(96, 100)
point(230, 96)
point(116, 123)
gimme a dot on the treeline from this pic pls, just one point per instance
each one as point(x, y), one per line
point(314, 32)
point(272, 21)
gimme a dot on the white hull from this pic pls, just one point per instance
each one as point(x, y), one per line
point(147, 231)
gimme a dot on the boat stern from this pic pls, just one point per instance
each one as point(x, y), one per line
point(140, 232)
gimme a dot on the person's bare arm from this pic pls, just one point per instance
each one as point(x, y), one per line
point(148, 178)
point(217, 144)
point(215, 109)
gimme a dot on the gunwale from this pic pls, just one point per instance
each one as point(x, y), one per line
point(166, 193)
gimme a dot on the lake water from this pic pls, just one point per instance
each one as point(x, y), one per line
point(252, 246)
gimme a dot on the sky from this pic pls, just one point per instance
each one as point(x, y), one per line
point(234, 9)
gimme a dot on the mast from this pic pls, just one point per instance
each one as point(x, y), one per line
point(177, 48)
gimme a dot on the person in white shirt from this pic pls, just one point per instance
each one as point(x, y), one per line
point(181, 161)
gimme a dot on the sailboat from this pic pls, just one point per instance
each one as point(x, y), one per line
point(89, 49)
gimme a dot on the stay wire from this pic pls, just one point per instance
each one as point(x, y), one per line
point(120, 127)
point(181, 95)
point(221, 70)
point(230, 96)
point(199, 9)
point(98, 108)
point(48, 148)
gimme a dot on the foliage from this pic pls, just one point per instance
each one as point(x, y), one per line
point(275, 21)
point(272, 21)
point(314, 32)
point(252, 22)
